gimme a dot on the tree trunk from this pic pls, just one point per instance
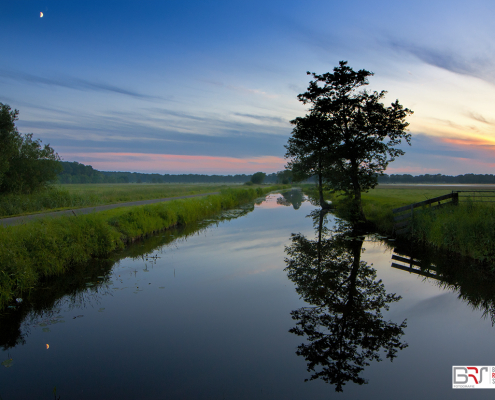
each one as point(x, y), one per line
point(357, 192)
point(323, 204)
point(359, 204)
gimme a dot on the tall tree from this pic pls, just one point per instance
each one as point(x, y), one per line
point(284, 177)
point(361, 133)
point(9, 137)
point(258, 178)
point(309, 149)
point(25, 165)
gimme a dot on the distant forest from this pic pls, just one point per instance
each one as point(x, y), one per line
point(438, 178)
point(74, 172)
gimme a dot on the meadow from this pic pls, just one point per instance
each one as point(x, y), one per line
point(59, 197)
point(52, 246)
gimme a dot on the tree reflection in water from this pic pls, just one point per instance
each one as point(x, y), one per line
point(343, 323)
point(294, 197)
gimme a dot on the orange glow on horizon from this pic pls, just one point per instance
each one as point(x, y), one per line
point(469, 142)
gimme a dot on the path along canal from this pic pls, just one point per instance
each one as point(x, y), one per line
point(238, 308)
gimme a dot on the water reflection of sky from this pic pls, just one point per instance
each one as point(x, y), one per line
point(207, 316)
point(442, 331)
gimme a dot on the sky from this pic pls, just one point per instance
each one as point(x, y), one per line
point(210, 86)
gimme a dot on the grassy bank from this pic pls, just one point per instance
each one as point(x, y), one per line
point(379, 203)
point(467, 229)
point(53, 246)
point(75, 196)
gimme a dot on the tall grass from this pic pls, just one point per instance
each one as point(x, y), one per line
point(76, 196)
point(52, 198)
point(467, 229)
point(53, 246)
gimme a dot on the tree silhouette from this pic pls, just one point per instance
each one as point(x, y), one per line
point(309, 150)
point(258, 178)
point(348, 137)
point(25, 165)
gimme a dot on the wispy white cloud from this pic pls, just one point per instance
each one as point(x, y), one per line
point(476, 66)
point(74, 83)
point(264, 118)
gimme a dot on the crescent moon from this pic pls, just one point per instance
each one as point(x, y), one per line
point(41, 14)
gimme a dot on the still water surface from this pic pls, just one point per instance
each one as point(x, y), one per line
point(213, 313)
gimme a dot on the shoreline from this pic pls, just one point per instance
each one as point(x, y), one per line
point(54, 246)
point(465, 229)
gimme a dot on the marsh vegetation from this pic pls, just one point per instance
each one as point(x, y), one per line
point(72, 196)
point(52, 246)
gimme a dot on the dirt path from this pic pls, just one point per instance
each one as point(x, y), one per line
point(79, 211)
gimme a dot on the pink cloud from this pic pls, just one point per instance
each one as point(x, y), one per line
point(177, 164)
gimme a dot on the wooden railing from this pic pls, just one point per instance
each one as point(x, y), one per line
point(404, 215)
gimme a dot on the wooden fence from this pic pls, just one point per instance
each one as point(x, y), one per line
point(404, 215)
point(476, 196)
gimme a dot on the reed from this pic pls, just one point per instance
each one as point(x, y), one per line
point(76, 196)
point(467, 229)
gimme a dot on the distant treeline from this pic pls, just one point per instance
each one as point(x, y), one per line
point(74, 172)
point(438, 178)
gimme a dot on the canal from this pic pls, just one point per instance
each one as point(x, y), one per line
point(270, 301)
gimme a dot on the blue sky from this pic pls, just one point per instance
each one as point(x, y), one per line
point(210, 87)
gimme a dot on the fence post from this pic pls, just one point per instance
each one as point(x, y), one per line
point(455, 198)
point(412, 219)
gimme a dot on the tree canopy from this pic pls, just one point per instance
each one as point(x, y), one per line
point(309, 149)
point(349, 136)
point(258, 178)
point(9, 137)
point(25, 164)
point(285, 176)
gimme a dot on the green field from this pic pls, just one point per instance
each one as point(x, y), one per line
point(60, 197)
